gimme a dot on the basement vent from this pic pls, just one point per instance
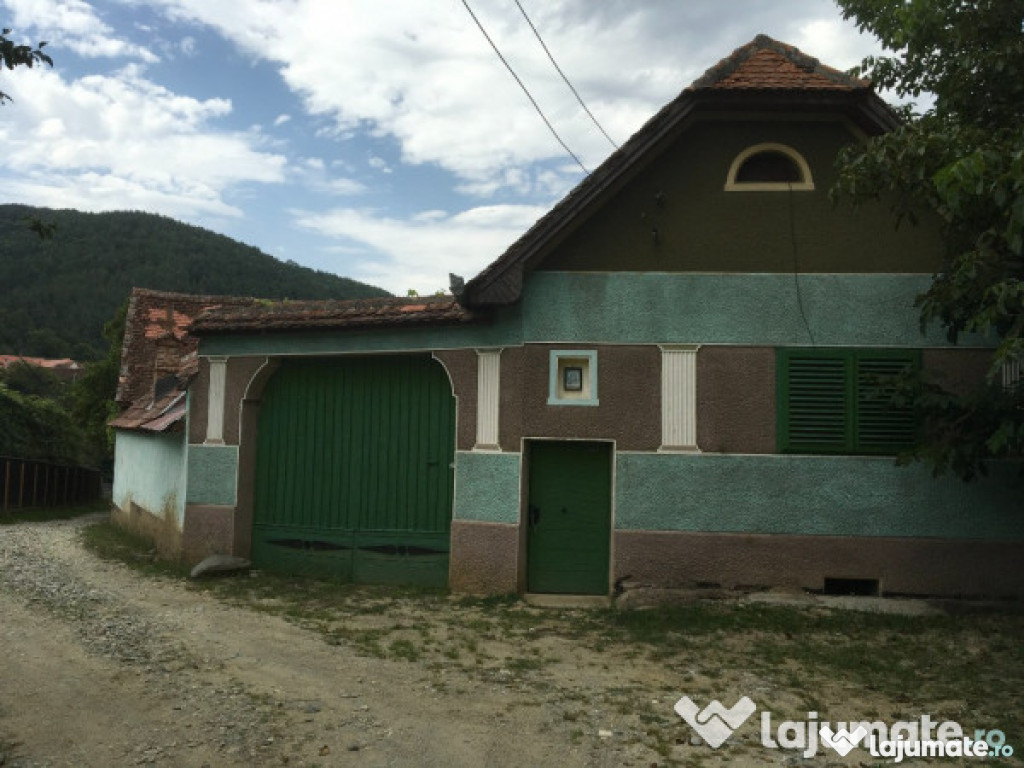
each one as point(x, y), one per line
point(856, 587)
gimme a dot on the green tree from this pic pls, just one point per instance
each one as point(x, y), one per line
point(12, 56)
point(963, 157)
point(93, 395)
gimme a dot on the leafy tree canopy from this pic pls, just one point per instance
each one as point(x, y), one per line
point(964, 158)
point(12, 56)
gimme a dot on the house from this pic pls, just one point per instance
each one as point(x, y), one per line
point(158, 360)
point(675, 377)
point(63, 368)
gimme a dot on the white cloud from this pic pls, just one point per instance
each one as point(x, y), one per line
point(281, 120)
point(73, 24)
point(379, 164)
point(420, 251)
point(120, 141)
point(312, 173)
point(422, 73)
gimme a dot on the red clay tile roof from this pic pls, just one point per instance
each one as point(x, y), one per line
point(763, 75)
point(163, 414)
point(303, 315)
point(767, 64)
point(159, 355)
point(64, 363)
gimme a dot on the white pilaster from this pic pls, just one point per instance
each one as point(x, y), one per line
point(215, 400)
point(488, 394)
point(679, 398)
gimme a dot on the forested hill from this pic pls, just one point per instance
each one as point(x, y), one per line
point(56, 294)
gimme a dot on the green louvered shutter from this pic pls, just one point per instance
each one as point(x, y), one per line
point(814, 404)
point(881, 426)
point(840, 401)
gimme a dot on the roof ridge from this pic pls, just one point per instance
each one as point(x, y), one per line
point(173, 295)
point(501, 281)
point(728, 66)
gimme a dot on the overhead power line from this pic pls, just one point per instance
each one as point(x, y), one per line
point(566, 79)
point(533, 101)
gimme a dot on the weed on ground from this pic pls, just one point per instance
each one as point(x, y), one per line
point(967, 667)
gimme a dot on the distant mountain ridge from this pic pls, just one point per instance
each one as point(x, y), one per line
point(56, 294)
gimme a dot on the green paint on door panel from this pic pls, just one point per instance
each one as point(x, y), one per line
point(354, 470)
point(569, 518)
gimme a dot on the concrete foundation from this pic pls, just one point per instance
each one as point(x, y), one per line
point(209, 530)
point(484, 558)
point(942, 567)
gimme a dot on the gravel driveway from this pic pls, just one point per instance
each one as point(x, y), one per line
point(102, 666)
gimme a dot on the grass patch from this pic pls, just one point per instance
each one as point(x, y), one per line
point(967, 667)
point(48, 514)
point(109, 541)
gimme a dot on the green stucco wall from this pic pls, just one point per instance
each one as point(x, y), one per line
point(212, 474)
point(149, 471)
point(854, 496)
point(657, 308)
point(761, 309)
point(487, 487)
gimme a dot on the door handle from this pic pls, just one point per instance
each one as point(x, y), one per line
point(533, 515)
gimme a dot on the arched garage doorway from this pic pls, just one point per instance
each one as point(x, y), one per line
point(354, 469)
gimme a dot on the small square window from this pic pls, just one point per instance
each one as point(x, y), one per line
point(573, 377)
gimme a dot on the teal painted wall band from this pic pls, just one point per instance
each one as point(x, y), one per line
point(653, 308)
point(487, 487)
point(212, 474)
point(812, 495)
point(749, 309)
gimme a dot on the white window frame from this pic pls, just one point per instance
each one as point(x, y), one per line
point(805, 185)
point(560, 359)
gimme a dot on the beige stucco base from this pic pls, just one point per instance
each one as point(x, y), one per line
point(484, 558)
point(209, 530)
point(163, 531)
point(942, 567)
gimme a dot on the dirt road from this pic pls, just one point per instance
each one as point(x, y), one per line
point(103, 666)
point(99, 667)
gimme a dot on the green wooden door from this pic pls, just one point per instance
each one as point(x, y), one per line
point(569, 518)
point(354, 470)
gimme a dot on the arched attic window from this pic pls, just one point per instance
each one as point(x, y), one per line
point(769, 168)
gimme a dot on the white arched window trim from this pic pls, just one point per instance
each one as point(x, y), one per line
point(806, 183)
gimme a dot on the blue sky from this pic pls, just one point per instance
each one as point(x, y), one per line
point(377, 139)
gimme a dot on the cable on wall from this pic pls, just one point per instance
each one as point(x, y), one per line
point(796, 264)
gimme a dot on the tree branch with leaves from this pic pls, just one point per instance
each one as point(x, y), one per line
point(963, 158)
point(12, 56)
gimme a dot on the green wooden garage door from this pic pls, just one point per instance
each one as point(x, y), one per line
point(354, 470)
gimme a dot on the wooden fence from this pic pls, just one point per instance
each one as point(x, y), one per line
point(27, 483)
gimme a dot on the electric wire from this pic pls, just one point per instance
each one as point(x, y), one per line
point(796, 264)
point(564, 78)
point(533, 101)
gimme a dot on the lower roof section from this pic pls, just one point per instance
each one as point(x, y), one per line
point(872, 310)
